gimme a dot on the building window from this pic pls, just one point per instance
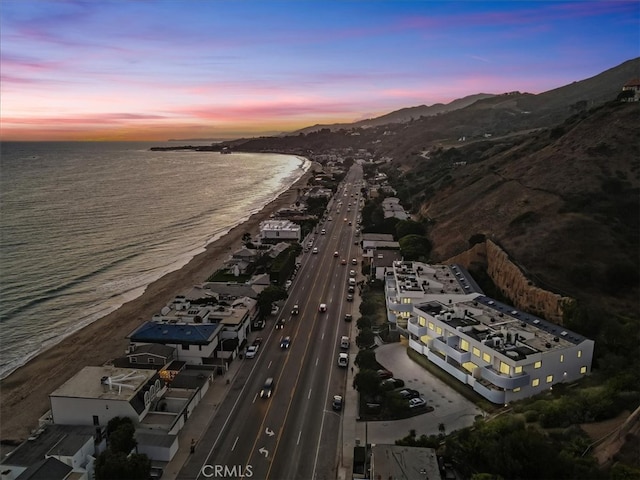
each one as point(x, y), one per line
point(549, 378)
point(422, 321)
point(561, 358)
point(583, 370)
point(431, 326)
point(537, 364)
point(406, 300)
point(439, 330)
point(184, 346)
point(150, 360)
point(486, 357)
point(517, 389)
point(469, 366)
point(476, 351)
point(504, 368)
point(579, 353)
point(134, 360)
point(518, 369)
point(96, 420)
point(535, 382)
point(464, 345)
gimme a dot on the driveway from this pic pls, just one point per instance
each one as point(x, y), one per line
point(451, 408)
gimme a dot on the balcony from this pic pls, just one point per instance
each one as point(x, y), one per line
point(415, 327)
point(505, 381)
point(455, 354)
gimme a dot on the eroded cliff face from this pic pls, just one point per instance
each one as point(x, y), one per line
point(508, 277)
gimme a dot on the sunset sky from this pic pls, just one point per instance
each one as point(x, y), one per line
point(154, 70)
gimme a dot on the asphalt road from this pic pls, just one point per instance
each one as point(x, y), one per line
point(294, 434)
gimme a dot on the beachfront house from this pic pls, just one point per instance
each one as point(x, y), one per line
point(502, 353)
point(274, 231)
point(195, 343)
point(55, 452)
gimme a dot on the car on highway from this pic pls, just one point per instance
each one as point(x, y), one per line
point(348, 317)
point(280, 324)
point(252, 351)
point(315, 250)
point(343, 360)
point(295, 310)
point(337, 402)
point(343, 261)
point(336, 254)
point(285, 343)
point(322, 308)
point(352, 273)
point(323, 232)
point(267, 388)
point(354, 261)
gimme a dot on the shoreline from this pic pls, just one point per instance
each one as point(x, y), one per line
point(24, 393)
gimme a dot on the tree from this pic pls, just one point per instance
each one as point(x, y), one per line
point(365, 338)
point(409, 227)
point(268, 296)
point(122, 439)
point(366, 360)
point(366, 381)
point(415, 247)
point(246, 237)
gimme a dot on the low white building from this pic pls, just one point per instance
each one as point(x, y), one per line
point(95, 395)
point(500, 352)
point(273, 231)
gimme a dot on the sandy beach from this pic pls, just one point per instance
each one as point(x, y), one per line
point(24, 395)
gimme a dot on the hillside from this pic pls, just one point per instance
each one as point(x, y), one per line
point(564, 202)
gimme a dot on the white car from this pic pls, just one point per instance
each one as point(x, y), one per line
point(252, 351)
point(343, 360)
point(315, 250)
point(322, 308)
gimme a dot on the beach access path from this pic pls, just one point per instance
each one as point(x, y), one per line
point(24, 394)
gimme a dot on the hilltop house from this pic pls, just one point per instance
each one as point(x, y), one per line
point(501, 353)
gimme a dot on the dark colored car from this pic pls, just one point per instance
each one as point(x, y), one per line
point(285, 342)
point(409, 393)
point(280, 324)
point(267, 388)
point(384, 374)
point(392, 383)
point(348, 317)
point(337, 403)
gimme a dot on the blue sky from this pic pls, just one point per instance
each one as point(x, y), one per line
point(152, 70)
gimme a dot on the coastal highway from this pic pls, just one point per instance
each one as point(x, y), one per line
point(294, 434)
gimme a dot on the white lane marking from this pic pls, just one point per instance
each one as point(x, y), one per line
point(317, 360)
point(322, 336)
point(254, 398)
point(269, 366)
point(299, 435)
point(309, 396)
point(234, 444)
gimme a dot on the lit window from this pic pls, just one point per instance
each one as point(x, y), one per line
point(537, 364)
point(517, 389)
point(561, 358)
point(518, 369)
point(535, 382)
point(469, 366)
point(431, 326)
point(486, 357)
point(439, 330)
point(422, 321)
point(549, 378)
point(583, 370)
point(476, 351)
point(464, 345)
point(425, 339)
point(406, 300)
point(504, 368)
point(579, 353)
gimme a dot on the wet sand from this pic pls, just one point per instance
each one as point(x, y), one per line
point(24, 395)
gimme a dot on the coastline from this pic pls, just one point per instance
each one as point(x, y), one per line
point(24, 394)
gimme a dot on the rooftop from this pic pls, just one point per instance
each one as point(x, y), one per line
point(395, 462)
point(187, 333)
point(105, 382)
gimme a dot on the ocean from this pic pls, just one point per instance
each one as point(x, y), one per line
point(86, 226)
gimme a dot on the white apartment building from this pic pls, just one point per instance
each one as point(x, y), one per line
point(501, 353)
point(273, 231)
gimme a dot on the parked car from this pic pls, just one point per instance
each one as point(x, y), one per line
point(384, 374)
point(322, 308)
point(285, 342)
point(275, 309)
point(337, 403)
point(417, 403)
point(259, 324)
point(351, 289)
point(352, 273)
point(391, 383)
point(350, 298)
point(267, 388)
point(348, 317)
point(354, 261)
point(343, 360)
point(409, 393)
point(287, 284)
